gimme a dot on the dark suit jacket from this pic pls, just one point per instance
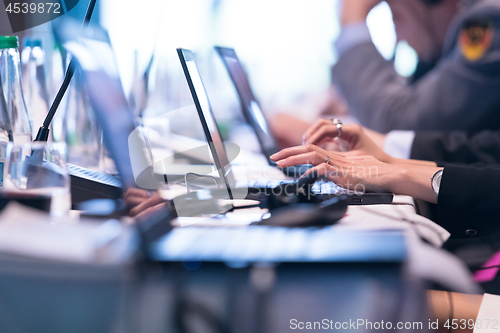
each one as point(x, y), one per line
point(457, 147)
point(469, 201)
point(457, 94)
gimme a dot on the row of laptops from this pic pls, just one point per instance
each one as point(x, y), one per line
point(130, 151)
point(255, 117)
point(252, 111)
point(135, 165)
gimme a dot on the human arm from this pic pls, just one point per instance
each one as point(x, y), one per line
point(468, 196)
point(441, 100)
point(442, 147)
point(470, 313)
point(464, 307)
point(468, 201)
point(362, 172)
point(287, 130)
point(353, 12)
point(457, 94)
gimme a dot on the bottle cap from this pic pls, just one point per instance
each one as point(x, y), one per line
point(29, 42)
point(9, 42)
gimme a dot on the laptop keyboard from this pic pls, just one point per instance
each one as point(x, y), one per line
point(273, 244)
point(75, 170)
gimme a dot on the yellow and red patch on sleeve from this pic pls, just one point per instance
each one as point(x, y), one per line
point(475, 39)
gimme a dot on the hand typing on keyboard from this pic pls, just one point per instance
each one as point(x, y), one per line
point(141, 203)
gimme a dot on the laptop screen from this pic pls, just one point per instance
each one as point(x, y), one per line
point(207, 118)
point(103, 86)
point(251, 109)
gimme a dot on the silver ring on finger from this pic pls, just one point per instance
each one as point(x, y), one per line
point(327, 159)
point(338, 123)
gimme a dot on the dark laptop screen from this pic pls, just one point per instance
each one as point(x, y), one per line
point(207, 118)
point(251, 109)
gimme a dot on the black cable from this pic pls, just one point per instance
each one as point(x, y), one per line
point(43, 132)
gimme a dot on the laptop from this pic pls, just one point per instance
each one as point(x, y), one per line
point(320, 190)
point(104, 89)
point(128, 147)
point(252, 111)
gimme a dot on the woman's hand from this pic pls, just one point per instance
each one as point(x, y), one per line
point(357, 140)
point(362, 173)
point(358, 173)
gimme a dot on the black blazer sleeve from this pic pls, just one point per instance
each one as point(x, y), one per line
point(469, 201)
point(457, 147)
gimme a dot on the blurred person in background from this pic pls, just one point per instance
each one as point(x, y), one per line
point(459, 93)
point(455, 86)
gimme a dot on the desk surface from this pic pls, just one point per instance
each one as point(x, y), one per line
point(356, 271)
point(399, 215)
point(365, 232)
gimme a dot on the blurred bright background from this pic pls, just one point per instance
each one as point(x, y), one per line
point(285, 45)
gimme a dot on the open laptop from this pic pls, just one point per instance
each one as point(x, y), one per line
point(322, 190)
point(105, 92)
point(128, 147)
point(252, 111)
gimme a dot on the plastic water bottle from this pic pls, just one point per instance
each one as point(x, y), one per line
point(34, 82)
point(5, 136)
point(5, 126)
point(81, 130)
point(10, 71)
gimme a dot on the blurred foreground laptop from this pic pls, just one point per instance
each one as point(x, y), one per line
point(102, 83)
point(322, 190)
point(127, 145)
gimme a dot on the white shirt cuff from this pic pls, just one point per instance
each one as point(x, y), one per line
point(352, 35)
point(488, 318)
point(398, 144)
